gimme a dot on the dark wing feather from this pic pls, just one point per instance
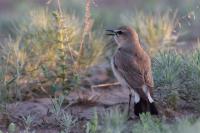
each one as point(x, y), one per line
point(129, 68)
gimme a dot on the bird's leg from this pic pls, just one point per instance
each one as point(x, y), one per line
point(129, 102)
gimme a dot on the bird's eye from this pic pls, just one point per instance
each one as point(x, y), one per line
point(119, 32)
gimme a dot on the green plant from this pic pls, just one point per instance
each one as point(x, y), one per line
point(66, 33)
point(3, 86)
point(167, 72)
point(114, 121)
point(12, 67)
point(186, 126)
point(149, 124)
point(92, 125)
point(12, 128)
point(193, 70)
point(191, 78)
point(28, 121)
point(167, 67)
point(57, 105)
point(66, 122)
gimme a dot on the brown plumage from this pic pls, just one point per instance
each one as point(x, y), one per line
point(132, 67)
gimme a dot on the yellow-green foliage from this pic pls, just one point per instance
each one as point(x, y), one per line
point(46, 48)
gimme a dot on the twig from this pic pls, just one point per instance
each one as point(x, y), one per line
point(59, 7)
point(105, 85)
point(87, 26)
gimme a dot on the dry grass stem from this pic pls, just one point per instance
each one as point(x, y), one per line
point(87, 26)
point(105, 85)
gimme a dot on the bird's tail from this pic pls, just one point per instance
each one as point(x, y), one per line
point(144, 106)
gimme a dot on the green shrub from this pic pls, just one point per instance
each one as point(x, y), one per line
point(167, 72)
point(148, 124)
point(114, 121)
point(192, 78)
point(92, 125)
point(167, 67)
point(192, 70)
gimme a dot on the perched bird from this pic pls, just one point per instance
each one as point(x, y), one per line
point(131, 66)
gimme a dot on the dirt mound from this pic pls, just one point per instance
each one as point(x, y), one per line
point(81, 105)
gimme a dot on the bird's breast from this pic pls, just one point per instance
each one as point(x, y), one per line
point(117, 75)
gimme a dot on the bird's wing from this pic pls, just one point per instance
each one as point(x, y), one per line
point(131, 71)
point(148, 76)
point(148, 72)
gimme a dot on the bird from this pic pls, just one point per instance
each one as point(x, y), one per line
point(131, 66)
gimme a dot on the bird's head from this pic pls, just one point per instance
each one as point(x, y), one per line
point(124, 35)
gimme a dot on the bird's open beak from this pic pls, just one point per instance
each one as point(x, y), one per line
point(110, 32)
